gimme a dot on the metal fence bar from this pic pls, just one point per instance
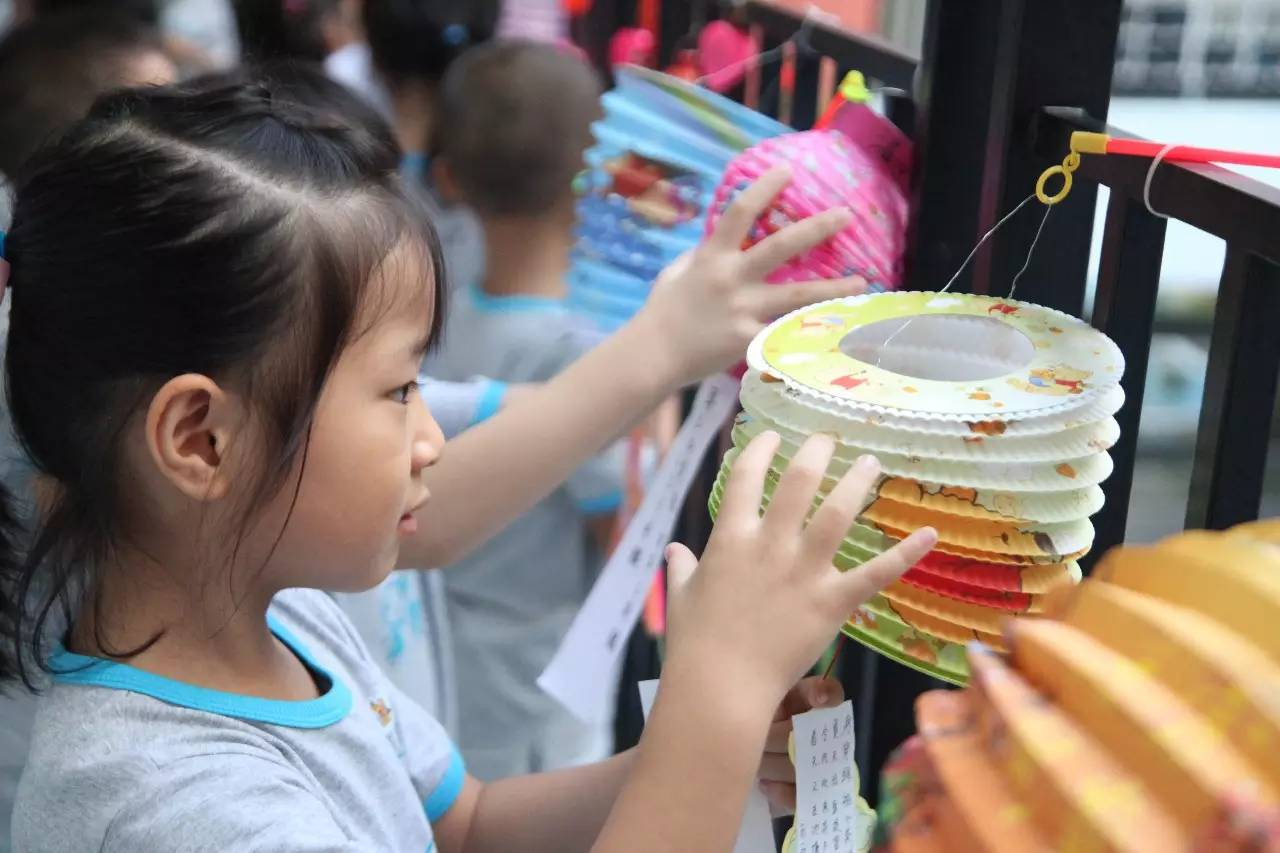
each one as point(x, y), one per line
point(1046, 39)
point(956, 111)
point(1125, 309)
point(868, 53)
point(1239, 396)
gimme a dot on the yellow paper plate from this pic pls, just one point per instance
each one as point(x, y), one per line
point(1065, 475)
point(982, 442)
point(1106, 404)
point(1035, 361)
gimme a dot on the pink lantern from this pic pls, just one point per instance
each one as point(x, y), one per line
point(828, 171)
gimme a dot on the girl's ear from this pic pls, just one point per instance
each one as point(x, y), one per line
point(191, 425)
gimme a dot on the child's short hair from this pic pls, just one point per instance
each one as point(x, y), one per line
point(221, 229)
point(53, 67)
point(515, 118)
point(285, 29)
point(420, 39)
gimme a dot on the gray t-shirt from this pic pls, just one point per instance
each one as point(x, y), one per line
point(124, 760)
point(512, 599)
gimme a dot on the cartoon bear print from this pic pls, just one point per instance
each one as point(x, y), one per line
point(1058, 380)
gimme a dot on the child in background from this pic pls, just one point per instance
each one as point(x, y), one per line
point(52, 67)
point(224, 448)
point(514, 120)
point(413, 43)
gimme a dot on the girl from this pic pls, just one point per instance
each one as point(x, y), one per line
point(219, 308)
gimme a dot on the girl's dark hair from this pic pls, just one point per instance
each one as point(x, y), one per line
point(419, 39)
point(306, 84)
point(221, 229)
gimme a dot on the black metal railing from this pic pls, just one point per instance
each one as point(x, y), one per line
point(1244, 353)
point(981, 113)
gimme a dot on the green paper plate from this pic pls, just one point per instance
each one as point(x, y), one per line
point(890, 632)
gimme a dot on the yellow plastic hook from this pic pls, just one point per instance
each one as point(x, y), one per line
point(1069, 164)
point(1082, 142)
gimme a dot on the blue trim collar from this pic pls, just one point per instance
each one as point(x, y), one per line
point(489, 304)
point(318, 713)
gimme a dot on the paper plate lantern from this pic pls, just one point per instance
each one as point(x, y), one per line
point(991, 419)
point(1141, 713)
point(828, 171)
point(650, 179)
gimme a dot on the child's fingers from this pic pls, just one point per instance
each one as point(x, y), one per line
point(810, 693)
point(743, 211)
point(793, 498)
point(813, 692)
point(781, 246)
point(831, 523)
point(767, 302)
point(859, 585)
point(745, 488)
point(781, 796)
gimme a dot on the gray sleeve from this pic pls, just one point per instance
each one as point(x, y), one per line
point(458, 406)
point(433, 762)
point(225, 801)
point(597, 486)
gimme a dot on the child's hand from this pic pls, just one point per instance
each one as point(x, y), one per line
point(766, 600)
point(708, 305)
point(777, 773)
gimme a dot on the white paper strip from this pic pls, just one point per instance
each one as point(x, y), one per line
point(578, 675)
point(756, 833)
point(830, 816)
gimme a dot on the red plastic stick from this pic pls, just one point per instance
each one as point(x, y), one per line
point(1191, 154)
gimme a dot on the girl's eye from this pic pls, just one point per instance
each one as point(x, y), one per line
point(402, 394)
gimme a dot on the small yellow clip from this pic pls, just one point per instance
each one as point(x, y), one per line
point(1081, 142)
point(1069, 165)
point(854, 88)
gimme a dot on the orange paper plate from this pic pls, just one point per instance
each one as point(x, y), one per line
point(1217, 672)
point(1177, 754)
point(977, 809)
point(1232, 579)
point(1077, 795)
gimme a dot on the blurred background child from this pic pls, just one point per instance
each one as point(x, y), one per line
point(514, 119)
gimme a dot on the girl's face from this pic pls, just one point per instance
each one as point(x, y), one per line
point(362, 489)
